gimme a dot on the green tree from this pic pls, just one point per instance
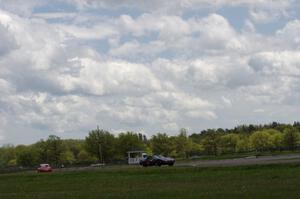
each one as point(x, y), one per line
point(211, 142)
point(261, 140)
point(85, 157)
point(196, 138)
point(42, 151)
point(183, 145)
point(276, 137)
point(7, 155)
point(74, 146)
point(228, 142)
point(67, 157)
point(100, 144)
point(129, 141)
point(27, 156)
point(161, 144)
point(197, 149)
point(54, 149)
point(291, 137)
point(49, 151)
point(243, 144)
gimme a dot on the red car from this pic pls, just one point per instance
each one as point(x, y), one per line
point(44, 168)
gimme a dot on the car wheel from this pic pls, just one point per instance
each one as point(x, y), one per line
point(158, 163)
point(171, 164)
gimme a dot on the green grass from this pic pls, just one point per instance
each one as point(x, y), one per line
point(272, 181)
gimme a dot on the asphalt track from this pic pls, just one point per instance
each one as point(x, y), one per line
point(251, 160)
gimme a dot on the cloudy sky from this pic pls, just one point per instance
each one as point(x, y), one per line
point(67, 66)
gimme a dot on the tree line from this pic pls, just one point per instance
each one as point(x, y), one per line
point(102, 146)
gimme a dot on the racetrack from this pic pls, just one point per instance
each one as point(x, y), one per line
point(251, 160)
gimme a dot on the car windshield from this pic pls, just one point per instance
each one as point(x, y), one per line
point(159, 156)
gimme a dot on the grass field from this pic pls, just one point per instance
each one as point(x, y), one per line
point(272, 181)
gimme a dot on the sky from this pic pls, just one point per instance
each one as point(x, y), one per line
point(67, 66)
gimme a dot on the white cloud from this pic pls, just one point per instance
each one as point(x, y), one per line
point(113, 77)
point(206, 73)
point(8, 42)
point(159, 67)
point(289, 34)
point(20, 7)
point(179, 6)
point(259, 111)
point(286, 63)
point(226, 101)
point(209, 34)
point(55, 15)
point(171, 127)
point(96, 32)
point(270, 10)
point(135, 49)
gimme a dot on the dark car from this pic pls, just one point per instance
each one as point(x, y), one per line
point(157, 160)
